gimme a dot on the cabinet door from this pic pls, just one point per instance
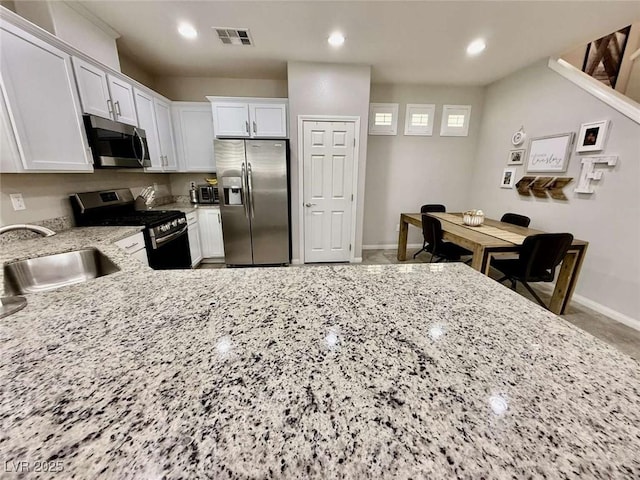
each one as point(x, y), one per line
point(193, 126)
point(231, 119)
point(122, 98)
point(147, 121)
point(93, 89)
point(165, 135)
point(42, 102)
point(194, 244)
point(210, 232)
point(141, 255)
point(268, 120)
point(10, 159)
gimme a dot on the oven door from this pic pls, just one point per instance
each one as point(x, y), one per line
point(170, 252)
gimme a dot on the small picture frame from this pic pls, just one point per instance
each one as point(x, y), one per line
point(508, 178)
point(592, 136)
point(516, 157)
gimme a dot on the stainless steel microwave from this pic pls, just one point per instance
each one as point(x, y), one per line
point(115, 144)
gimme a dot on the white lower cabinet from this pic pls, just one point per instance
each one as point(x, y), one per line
point(210, 226)
point(134, 246)
point(194, 239)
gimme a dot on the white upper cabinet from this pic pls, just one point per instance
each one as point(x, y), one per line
point(249, 117)
point(42, 103)
point(165, 135)
point(231, 119)
point(147, 121)
point(193, 128)
point(122, 98)
point(103, 94)
point(268, 120)
point(93, 88)
point(10, 160)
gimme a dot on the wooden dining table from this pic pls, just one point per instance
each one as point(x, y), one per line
point(494, 238)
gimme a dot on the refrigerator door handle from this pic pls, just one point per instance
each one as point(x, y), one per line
point(245, 200)
point(250, 183)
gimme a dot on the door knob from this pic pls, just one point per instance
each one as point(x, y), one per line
point(309, 204)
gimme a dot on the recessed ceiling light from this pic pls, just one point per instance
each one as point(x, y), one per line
point(476, 47)
point(187, 31)
point(336, 39)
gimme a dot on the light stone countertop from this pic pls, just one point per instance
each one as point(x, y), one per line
point(385, 371)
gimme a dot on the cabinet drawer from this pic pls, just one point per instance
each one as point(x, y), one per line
point(192, 217)
point(132, 244)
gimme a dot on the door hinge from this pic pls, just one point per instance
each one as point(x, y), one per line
point(352, 197)
point(354, 142)
point(349, 247)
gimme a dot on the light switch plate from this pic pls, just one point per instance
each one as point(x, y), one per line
point(17, 201)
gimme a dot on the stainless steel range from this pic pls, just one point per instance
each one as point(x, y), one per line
point(165, 232)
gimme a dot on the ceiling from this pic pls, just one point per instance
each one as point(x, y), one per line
point(403, 41)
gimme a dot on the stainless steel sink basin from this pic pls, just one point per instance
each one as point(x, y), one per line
point(54, 271)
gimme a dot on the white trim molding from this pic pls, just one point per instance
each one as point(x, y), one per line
point(597, 307)
point(390, 246)
point(614, 99)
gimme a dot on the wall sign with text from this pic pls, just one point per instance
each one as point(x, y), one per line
point(550, 154)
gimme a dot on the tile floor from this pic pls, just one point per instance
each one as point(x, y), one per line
point(624, 338)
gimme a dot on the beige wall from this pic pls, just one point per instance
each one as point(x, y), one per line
point(46, 194)
point(327, 89)
point(545, 103)
point(195, 89)
point(72, 27)
point(132, 69)
point(405, 172)
point(181, 182)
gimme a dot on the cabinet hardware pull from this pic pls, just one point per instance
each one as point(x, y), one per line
point(246, 125)
point(255, 129)
point(117, 105)
point(110, 106)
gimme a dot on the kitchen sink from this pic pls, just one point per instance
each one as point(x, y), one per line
point(54, 271)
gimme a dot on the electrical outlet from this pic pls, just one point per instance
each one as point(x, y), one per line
point(397, 227)
point(17, 201)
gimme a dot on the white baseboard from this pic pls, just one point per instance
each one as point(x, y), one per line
point(390, 246)
point(597, 307)
point(295, 261)
point(357, 260)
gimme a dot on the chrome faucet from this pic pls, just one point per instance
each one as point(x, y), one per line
point(45, 232)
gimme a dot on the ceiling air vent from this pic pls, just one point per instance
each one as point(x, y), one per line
point(234, 36)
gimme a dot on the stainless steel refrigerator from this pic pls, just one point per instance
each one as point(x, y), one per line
point(254, 200)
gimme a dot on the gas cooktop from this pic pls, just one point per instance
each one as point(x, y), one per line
point(145, 218)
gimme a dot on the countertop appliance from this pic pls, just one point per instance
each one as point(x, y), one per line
point(115, 144)
point(165, 232)
point(208, 194)
point(253, 182)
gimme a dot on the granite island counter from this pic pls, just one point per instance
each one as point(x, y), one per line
point(423, 371)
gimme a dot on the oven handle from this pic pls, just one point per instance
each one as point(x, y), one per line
point(168, 238)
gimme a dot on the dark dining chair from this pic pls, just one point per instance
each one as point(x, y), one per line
point(537, 262)
point(516, 219)
point(430, 207)
point(439, 249)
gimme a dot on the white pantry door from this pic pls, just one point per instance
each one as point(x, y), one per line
point(328, 156)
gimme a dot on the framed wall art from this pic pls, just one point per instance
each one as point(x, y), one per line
point(508, 178)
point(592, 136)
point(550, 153)
point(516, 157)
